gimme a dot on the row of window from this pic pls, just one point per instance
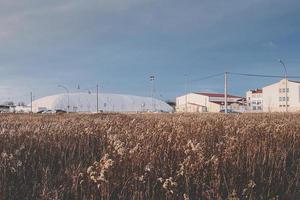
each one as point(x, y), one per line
point(256, 108)
point(256, 95)
point(256, 102)
point(283, 98)
point(282, 90)
point(284, 105)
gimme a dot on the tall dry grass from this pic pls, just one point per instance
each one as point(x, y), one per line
point(144, 156)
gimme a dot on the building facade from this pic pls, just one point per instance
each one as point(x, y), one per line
point(282, 96)
point(4, 108)
point(255, 100)
point(209, 102)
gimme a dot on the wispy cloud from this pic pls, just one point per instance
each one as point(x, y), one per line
point(270, 44)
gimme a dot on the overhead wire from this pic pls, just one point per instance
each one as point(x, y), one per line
point(261, 75)
point(207, 77)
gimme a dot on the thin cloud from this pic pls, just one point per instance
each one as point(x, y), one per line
point(270, 44)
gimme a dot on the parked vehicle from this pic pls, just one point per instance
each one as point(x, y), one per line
point(229, 111)
point(60, 111)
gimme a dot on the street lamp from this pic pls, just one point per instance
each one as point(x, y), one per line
point(285, 76)
point(152, 78)
point(64, 87)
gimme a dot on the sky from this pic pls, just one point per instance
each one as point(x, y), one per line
point(118, 44)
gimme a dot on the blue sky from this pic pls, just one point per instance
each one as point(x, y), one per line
point(120, 43)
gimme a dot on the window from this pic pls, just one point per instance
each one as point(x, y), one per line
point(259, 108)
point(280, 105)
point(283, 98)
point(254, 108)
point(287, 98)
point(282, 90)
point(280, 98)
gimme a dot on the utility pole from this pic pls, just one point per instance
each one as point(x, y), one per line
point(31, 102)
point(186, 93)
point(97, 98)
point(225, 92)
point(152, 78)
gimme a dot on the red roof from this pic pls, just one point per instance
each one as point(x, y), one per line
point(222, 102)
point(217, 95)
point(229, 103)
point(256, 91)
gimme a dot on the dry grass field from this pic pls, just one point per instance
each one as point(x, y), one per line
point(150, 156)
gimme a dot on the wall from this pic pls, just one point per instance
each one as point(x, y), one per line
point(252, 101)
point(213, 107)
point(271, 96)
point(294, 96)
point(192, 102)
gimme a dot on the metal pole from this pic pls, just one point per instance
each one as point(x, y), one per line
point(152, 78)
point(97, 98)
point(186, 94)
point(31, 102)
point(286, 82)
point(154, 103)
point(225, 92)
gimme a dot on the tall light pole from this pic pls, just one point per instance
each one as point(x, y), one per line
point(225, 92)
point(64, 87)
point(97, 98)
point(31, 99)
point(152, 79)
point(286, 80)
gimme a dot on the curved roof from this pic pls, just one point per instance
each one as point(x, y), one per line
point(84, 102)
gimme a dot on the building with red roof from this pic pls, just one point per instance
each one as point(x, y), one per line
point(209, 102)
point(255, 100)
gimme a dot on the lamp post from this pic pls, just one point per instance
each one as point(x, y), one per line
point(64, 87)
point(226, 91)
point(285, 76)
point(31, 99)
point(97, 99)
point(152, 79)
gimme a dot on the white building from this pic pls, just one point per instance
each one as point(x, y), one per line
point(4, 108)
point(274, 96)
point(84, 102)
point(254, 100)
point(208, 102)
point(21, 109)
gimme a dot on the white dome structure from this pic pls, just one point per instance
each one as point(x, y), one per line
point(84, 102)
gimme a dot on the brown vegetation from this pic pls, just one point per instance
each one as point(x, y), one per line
point(144, 156)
